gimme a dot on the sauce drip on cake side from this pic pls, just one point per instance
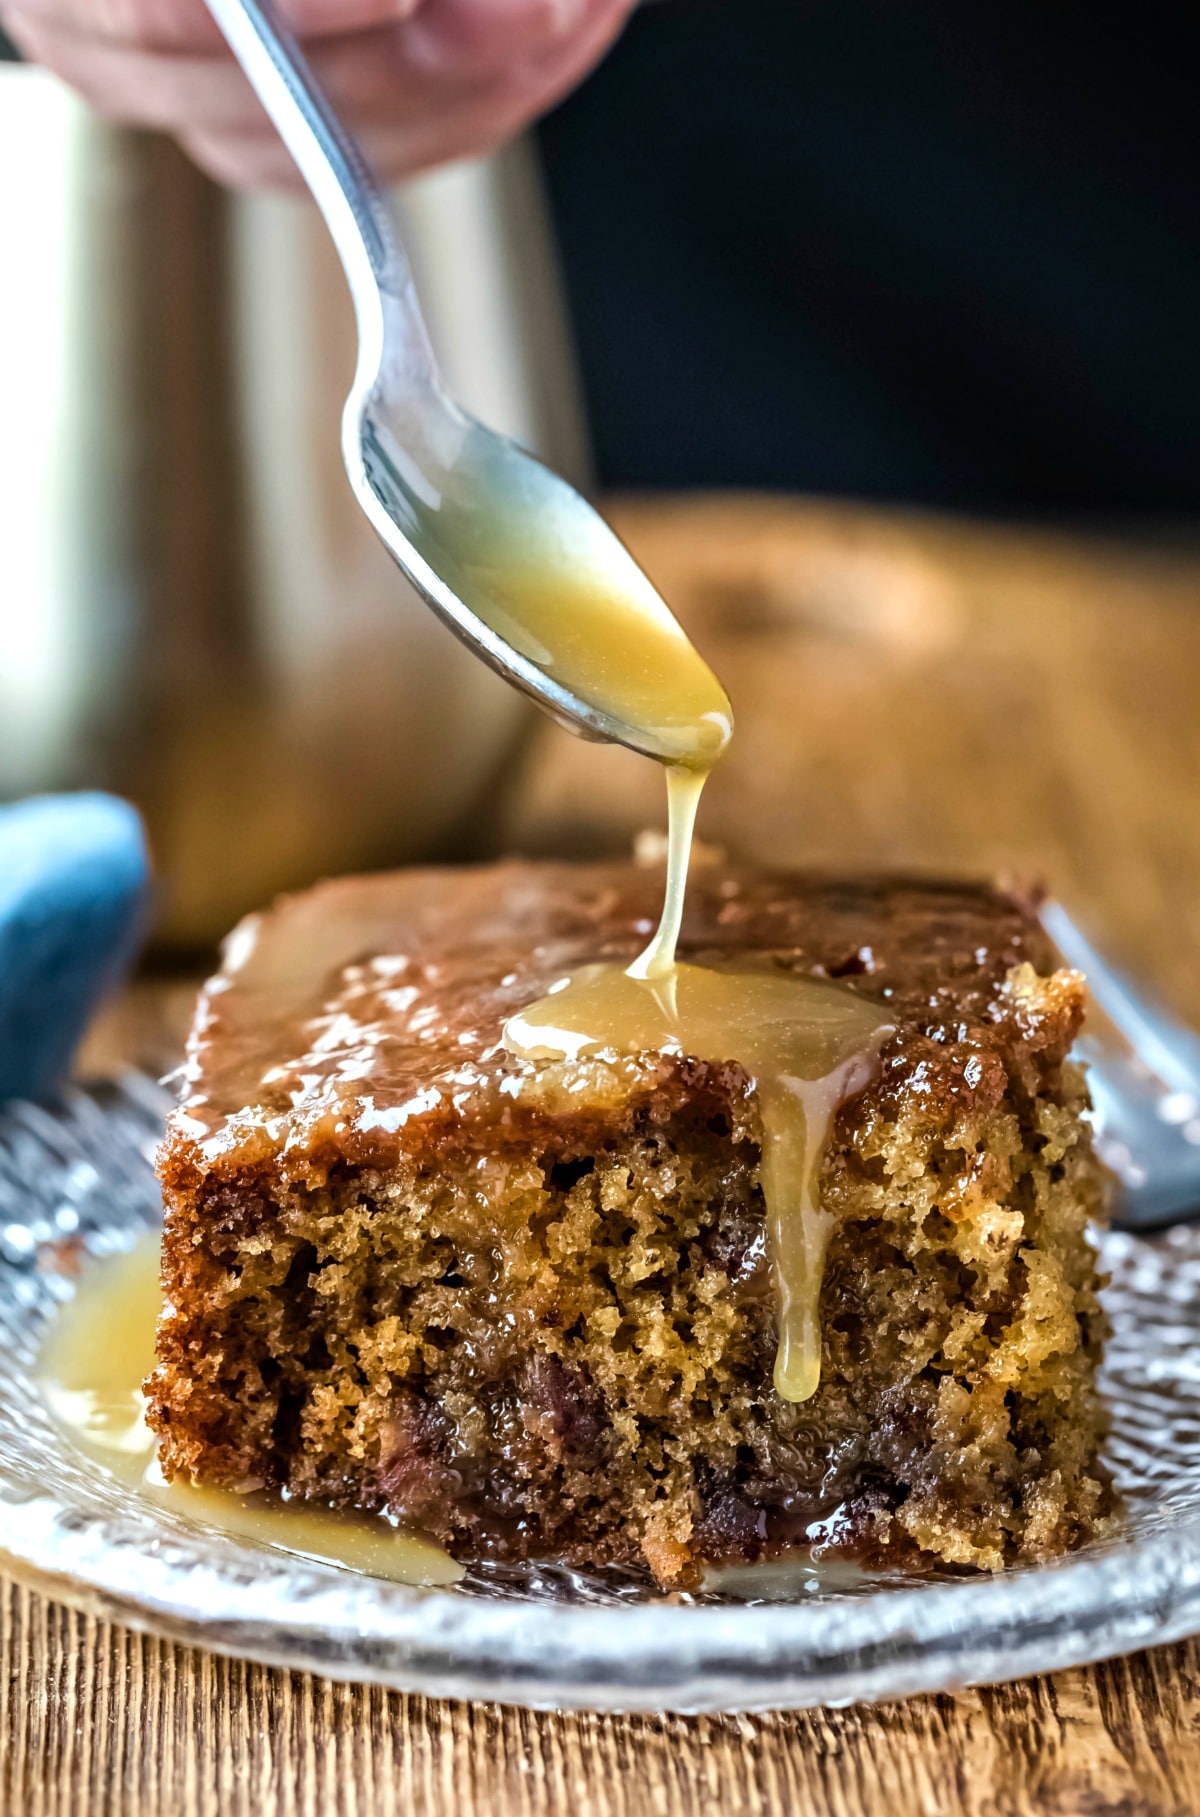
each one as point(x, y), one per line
point(808, 1044)
point(98, 1352)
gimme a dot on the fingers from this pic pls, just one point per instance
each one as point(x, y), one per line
point(332, 18)
point(426, 81)
point(166, 25)
point(474, 124)
point(447, 46)
point(472, 35)
point(187, 25)
point(467, 29)
point(365, 75)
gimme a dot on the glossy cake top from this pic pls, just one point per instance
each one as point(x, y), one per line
point(366, 1014)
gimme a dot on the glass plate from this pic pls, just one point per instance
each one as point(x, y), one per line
point(77, 1182)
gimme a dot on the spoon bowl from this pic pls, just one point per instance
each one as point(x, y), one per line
point(530, 576)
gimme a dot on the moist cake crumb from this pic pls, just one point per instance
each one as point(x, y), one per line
point(529, 1308)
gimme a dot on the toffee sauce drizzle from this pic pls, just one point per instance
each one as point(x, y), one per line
point(808, 1044)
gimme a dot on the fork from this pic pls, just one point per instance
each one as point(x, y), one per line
point(1144, 1076)
point(457, 506)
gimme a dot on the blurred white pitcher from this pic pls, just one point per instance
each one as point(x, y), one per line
point(223, 639)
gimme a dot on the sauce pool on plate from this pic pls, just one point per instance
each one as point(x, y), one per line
point(98, 1352)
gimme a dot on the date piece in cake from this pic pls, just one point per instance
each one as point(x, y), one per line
point(530, 1308)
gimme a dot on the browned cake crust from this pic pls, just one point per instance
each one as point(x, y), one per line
point(530, 1309)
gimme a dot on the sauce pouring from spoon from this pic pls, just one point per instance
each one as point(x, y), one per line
point(532, 579)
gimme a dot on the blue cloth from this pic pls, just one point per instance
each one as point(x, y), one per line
point(74, 891)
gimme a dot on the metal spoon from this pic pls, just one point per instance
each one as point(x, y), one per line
point(1144, 1077)
point(468, 515)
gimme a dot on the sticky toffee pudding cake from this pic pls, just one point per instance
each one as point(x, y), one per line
point(628, 1297)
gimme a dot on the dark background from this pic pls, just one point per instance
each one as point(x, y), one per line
point(935, 250)
point(943, 251)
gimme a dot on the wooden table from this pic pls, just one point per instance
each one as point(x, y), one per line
point(98, 1722)
point(966, 699)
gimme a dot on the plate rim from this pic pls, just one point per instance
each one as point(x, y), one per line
point(690, 1658)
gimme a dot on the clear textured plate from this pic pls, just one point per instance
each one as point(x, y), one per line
point(77, 1183)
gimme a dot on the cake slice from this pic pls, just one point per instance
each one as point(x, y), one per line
point(529, 1307)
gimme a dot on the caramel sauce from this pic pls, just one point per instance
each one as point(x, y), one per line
point(684, 788)
point(551, 581)
point(808, 1044)
point(98, 1352)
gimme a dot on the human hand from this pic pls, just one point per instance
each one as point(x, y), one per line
point(420, 81)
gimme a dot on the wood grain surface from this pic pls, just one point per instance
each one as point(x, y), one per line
point(99, 1722)
point(937, 695)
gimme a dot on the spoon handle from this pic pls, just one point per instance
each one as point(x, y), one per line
point(331, 163)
